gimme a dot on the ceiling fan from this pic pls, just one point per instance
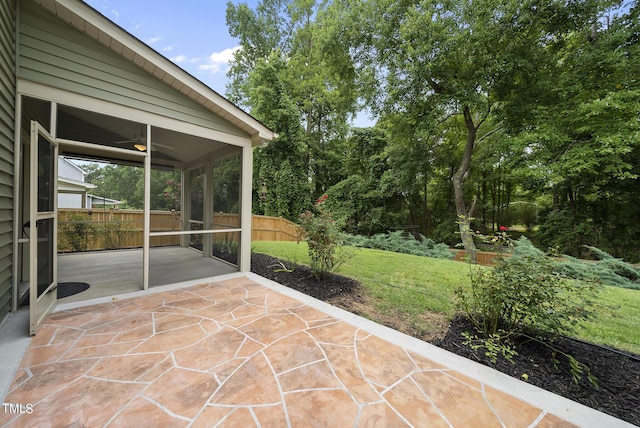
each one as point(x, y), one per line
point(139, 142)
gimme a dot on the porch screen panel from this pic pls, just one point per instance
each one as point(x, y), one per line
point(196, 205)
point(227, 173)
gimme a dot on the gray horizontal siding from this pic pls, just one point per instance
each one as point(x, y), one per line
point(56, 54)
point(7, 123)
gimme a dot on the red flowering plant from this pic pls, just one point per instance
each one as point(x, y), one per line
point(323, 238)
point(171, 194)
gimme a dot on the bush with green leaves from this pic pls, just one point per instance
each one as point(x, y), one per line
point(226, 246)
point(401, 242)
point(323, 238)
point(606, 270)
point(77, 232)
point(523, 296)
point(115, 233)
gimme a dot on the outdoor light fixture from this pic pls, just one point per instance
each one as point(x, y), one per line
point(141, 147)
point(263, 191)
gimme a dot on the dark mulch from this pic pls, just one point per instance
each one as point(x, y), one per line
point(335, 289)
point(617, 372)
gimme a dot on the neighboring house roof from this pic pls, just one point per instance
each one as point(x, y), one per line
point(96, 26)
point(102, 200)
point(75, 184)
point(76, 168)
point(67, 185)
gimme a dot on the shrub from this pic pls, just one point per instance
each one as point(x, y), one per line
point(607, 270)
point(77, 232)
point(400, 242)
point(523, 296)
point(323, 238)
point(115, 234)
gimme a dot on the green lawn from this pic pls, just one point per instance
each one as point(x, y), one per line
point(412, 285)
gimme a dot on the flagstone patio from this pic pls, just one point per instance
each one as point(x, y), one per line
point(242, 352)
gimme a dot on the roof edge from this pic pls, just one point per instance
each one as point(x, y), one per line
point(88, 14)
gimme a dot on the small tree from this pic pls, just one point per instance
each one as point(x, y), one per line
point(323, 238)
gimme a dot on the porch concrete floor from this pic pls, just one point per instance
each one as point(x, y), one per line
point(242, 351)
point(111, 273)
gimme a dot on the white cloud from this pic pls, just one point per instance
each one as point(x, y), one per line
point(153, 40)
point(168, 48)
point(178, 59)
point(218, 61)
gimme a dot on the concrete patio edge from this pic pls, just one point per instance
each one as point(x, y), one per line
point(552, 403)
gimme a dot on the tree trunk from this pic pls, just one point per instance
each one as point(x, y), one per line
point(464, 216)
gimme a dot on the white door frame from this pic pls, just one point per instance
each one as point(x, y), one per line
point(42, 297)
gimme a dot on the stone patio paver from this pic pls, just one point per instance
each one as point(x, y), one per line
point(236, 353)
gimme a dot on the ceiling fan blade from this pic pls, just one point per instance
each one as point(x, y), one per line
point(161, 145)
point(142, 142)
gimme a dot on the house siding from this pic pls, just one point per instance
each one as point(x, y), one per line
point(66, 170)
point(57, 55)
point(7, 124)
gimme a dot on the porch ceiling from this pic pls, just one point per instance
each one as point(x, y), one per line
point(169, 148)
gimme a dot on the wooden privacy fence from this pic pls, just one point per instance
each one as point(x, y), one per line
point(99, 229)
point(273, 229)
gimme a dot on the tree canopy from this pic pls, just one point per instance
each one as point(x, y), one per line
point(490, 114)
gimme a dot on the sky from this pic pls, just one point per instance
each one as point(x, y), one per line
point(191, 33)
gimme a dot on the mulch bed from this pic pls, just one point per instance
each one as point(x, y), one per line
point(617, 372)
point(335, 289)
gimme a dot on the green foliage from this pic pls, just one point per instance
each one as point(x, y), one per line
point(458, 66)
point(76, 232)
point(287, 190)
point(115, 233)
point(226, 184)
point(401, 242)
point(294, 73)
point(494, 345)
point(323, 238)
point(126, 183)
point(568, 231)
point(226, 247)
point(523, 296)
point(368, 200)
point(607, 270)
point(583, 145)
